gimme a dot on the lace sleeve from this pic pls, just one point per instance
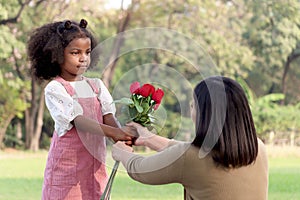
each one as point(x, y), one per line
point(62, 107)
point(106, 99)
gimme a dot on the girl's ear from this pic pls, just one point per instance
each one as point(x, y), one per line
point(83, 23)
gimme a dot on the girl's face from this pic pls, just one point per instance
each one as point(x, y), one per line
point(76, 59)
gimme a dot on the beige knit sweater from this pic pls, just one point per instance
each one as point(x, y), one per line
point(200, 177)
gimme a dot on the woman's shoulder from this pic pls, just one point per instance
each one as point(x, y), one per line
point(261, 145)
point(262, 150)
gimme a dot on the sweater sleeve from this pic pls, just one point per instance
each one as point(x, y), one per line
point(164, 167)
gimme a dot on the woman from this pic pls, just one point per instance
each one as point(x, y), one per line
point(225, 160)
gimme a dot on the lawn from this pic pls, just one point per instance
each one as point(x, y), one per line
point(21, 176)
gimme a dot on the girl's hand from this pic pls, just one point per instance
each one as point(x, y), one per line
point(143, 133)
point(121, 134)
point(119, 151)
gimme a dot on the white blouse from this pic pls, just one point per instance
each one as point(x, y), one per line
point(63, 108)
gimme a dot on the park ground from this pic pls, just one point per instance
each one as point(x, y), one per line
point(21, 176)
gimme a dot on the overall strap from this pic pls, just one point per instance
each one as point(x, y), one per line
point(93, 85)
point(66, 85)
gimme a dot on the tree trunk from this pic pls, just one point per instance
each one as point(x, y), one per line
point(34, 144)
point(287, 64)
point(3, 128)
point(30, 114)
point(110, 69)
point(28, 127)
point(283, 80)
point(19, 130)
point(34, 117)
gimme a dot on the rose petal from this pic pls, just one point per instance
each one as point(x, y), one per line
point(158, 95)
point(155, 107)
point(146, 90)
point(134, 87)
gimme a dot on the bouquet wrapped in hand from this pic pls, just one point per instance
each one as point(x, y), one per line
point(143, 102)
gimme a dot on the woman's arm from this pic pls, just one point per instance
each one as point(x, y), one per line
point(148, 139)
point(110, 120)
point(163, 167)
point(117, 134)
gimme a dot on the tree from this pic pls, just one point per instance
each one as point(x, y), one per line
point(123, 22)
point(12, 98)
point(17, 20)
point(274, 33)
point(258, 41)
point(13, 86)
point(271, 118)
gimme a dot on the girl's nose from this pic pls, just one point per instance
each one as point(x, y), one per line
point(84, 58)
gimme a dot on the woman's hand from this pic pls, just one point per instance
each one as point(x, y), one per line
point(116, 133)
point(143, 133)
point(120, 151)
point(148, 139)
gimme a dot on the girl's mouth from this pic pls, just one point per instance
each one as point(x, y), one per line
point(83, 66)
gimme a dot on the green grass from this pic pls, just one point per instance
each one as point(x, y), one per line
point(284, 178)
point(126, 189)
point(21, 177)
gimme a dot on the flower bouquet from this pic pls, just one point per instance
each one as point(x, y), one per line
point(139, 107)
point(144, 100)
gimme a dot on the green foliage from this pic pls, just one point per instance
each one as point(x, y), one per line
point(45, 141)
point(11, 97)
point(10, 139)
point(140, 107)
point(273, 33)
point(247, 39)
point(269, 115)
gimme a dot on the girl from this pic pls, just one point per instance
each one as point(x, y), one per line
point(80, 107)
point(225, 160)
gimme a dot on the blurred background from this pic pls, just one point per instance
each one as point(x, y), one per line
point(256, 42)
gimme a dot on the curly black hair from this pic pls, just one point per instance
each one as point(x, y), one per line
point(46, 46)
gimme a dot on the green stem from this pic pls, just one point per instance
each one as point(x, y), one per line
point(106, 193)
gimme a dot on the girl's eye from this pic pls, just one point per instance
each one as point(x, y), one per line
point(74, 53)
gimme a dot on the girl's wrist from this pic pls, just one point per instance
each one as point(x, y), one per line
point(108, 131)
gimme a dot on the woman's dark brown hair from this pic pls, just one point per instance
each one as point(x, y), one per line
point(224, 122)
point(47, 43)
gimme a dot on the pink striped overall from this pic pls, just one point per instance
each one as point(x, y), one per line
point(75, 168)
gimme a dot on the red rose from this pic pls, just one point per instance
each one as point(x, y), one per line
point(158, 95)
point(134, 87)
point(146, 90)
point(156, 106)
